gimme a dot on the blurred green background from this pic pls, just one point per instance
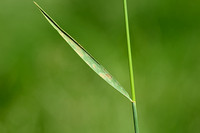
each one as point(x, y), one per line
point(46, 88)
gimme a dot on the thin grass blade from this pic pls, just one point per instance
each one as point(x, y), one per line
point(92, 63)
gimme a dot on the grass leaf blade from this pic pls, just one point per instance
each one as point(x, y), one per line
point(92, 63)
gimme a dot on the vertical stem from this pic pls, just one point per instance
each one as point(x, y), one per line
point(129, 51)
point(135, 119)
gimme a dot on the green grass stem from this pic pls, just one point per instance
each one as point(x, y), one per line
point(135, 118)
point(129, 51)
point(134, 109)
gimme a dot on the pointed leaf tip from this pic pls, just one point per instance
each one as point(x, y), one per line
point(35, 3)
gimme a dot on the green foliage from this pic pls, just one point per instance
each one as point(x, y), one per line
point(92, 63)
point(43, 89)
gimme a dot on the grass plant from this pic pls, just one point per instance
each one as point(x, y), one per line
point(98, 68)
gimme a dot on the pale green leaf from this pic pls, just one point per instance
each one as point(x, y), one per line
point(92, 63)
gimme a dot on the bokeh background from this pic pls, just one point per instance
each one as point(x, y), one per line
point(46, 88)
